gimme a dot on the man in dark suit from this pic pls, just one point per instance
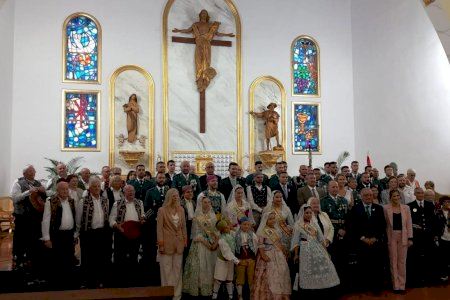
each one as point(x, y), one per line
point(186, 178)
point(289, 192)
point(364, 182)
point(140, 184)
point(389, 171)
point(227, 184)
point(170, 172)
point(367, 229)
point(258, 170)
point(354, 173)
point(209, 168)
point(420, 261)
point(310, 190)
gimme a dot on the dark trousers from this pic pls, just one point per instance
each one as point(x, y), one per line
point(150, 268)
point(371, 261)
point(63, 250)
point(339, 255)
point(126, 259)
point(444, 257)
point(95, 247)
point(19, 238)
point(421, 260)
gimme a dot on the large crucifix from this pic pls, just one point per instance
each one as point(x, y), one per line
point(203, 32)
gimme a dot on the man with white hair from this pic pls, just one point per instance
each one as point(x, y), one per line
point(411, 179)
point(26, 217)
point(126, 249)
point(61, 171)
point(85, 175)
point(58, 234)
point(92, 217)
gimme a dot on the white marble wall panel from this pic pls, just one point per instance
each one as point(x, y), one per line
point(439, 14)
point(183, 97)
point(127, 83)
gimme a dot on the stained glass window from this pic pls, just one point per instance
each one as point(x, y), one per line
point(81, 56)
point(305, 67)
point(306, 131)
point(81, 120)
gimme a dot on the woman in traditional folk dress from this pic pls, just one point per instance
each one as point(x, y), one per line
point(238, 207)
point(272, 280)
point(316, 269)
point(199, 269)
point(283, 217)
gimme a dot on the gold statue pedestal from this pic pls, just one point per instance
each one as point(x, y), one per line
point(270, 157)
point(131, 157)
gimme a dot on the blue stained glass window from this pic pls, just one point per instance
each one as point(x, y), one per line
point(306, 128)
point(81, 52)
point(80, 124)
point(305, 67)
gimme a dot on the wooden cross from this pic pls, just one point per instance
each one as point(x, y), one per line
point(185, 40)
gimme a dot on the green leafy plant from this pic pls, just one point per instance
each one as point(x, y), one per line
point(341, 158)
point(72, 166)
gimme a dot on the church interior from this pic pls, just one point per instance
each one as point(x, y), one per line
point(270, 87)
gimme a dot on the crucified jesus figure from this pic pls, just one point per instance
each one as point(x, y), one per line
point(203, 32)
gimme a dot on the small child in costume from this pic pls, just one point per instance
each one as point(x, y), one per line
point(246, 249)
point(224, 269)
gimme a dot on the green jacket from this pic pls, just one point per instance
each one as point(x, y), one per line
point(179, 181)
point(154, 199)
point(336, 210)
point(141, 187)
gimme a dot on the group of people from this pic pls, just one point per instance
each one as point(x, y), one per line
point(256, 236)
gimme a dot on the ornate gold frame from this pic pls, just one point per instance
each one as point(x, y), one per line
point(63, 118)
point(318, 66)
point(319, 112)
point(99, 48)
point(251, 105)
point(151, 111)
point(237, 18)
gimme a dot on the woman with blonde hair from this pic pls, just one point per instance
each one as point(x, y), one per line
point(399, 234)
point(172, 238)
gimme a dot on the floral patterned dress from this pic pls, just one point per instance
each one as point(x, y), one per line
point(199, 268)
point(272, 280)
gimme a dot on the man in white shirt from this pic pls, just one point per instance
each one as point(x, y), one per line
point(26, 243)
point(408, 191)
point(58, 234)
point(95, 236)
point(125, 214)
